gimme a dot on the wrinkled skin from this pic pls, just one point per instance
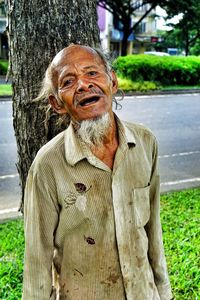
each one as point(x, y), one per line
point(84, 87)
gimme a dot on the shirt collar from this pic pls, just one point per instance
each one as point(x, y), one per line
point(75, 150)
point(125, 134)
point(73, 147)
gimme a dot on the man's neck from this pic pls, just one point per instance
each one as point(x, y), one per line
point(106, 151)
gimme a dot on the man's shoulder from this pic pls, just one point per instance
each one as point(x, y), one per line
point(139, 131)
point(51, 150)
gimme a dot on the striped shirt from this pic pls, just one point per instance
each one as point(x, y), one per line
point(93, 233)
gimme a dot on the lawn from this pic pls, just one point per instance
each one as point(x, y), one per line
point(180, 220)
point(180, 213)
point(180, 87)
point(5, 90)
point(128, 85)
point(11, 259)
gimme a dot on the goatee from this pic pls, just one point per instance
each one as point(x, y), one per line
point(92, 132)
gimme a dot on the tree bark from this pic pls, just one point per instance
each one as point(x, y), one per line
point(37, 31)
point(186, 42)
point(126, 32)
point(125, 42)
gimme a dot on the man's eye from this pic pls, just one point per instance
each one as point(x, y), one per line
point(68, 82)
point(92, 73)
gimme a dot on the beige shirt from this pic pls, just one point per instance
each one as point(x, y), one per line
point(100, 227)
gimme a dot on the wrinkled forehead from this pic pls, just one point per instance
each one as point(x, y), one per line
point(75, 54)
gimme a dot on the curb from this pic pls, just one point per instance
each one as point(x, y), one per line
point(10, 217)
point(160, 92)
point(5, 98)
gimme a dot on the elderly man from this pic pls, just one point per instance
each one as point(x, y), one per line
point(92, 222)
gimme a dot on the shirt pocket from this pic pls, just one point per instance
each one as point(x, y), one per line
point(141, 204)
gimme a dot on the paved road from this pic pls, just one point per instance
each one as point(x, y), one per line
point(9, 181)
point(174, 119)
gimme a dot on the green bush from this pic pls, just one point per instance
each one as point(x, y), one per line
point(3, 67)
point(165, 70)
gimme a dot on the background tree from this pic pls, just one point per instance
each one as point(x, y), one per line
point(195, 50)
point(124, 10)
point(37, 31)
point(187, 30)
point(169, 39)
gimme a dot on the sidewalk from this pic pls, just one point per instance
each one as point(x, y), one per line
point(10, 216)
point(164, 92)
point(9, 206)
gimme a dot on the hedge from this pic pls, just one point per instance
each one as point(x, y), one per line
point(166, 70)
point(3, 67)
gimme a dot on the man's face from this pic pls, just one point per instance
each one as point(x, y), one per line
point(83, 85)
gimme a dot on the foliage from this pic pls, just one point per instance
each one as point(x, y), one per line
point(187, 31)
point(124, 10)
point(189, 25)
point(180, 220)
point(11, 259)
point(3, 67)
point(166, 70)
point(5, 90)
point(195, 50)
point(169, 39)
point(129, 85)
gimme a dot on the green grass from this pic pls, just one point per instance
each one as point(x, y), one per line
point(180, 219)
point(179, 87)
point(128, 85)
point(11, 259)
point(5, 90)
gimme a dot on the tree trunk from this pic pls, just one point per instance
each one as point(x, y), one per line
point(37, 31)
point(124, 46)
point(186, 37)
point(126, 32)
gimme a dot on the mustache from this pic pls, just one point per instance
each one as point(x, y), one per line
point(93, 91)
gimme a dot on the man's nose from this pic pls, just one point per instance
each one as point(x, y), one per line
point(84, 85)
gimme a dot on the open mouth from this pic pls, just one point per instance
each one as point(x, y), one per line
point(89, 101)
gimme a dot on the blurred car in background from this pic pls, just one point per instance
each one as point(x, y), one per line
point(156, 53)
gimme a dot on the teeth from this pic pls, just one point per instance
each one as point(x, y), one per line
point(89, 101)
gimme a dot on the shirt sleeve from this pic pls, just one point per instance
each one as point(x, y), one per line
point(40, 222)
point(154, 232)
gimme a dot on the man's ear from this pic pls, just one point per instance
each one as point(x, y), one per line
point(56, 106)
point(114, 82)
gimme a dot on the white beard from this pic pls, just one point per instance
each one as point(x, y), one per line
point(92, 132)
